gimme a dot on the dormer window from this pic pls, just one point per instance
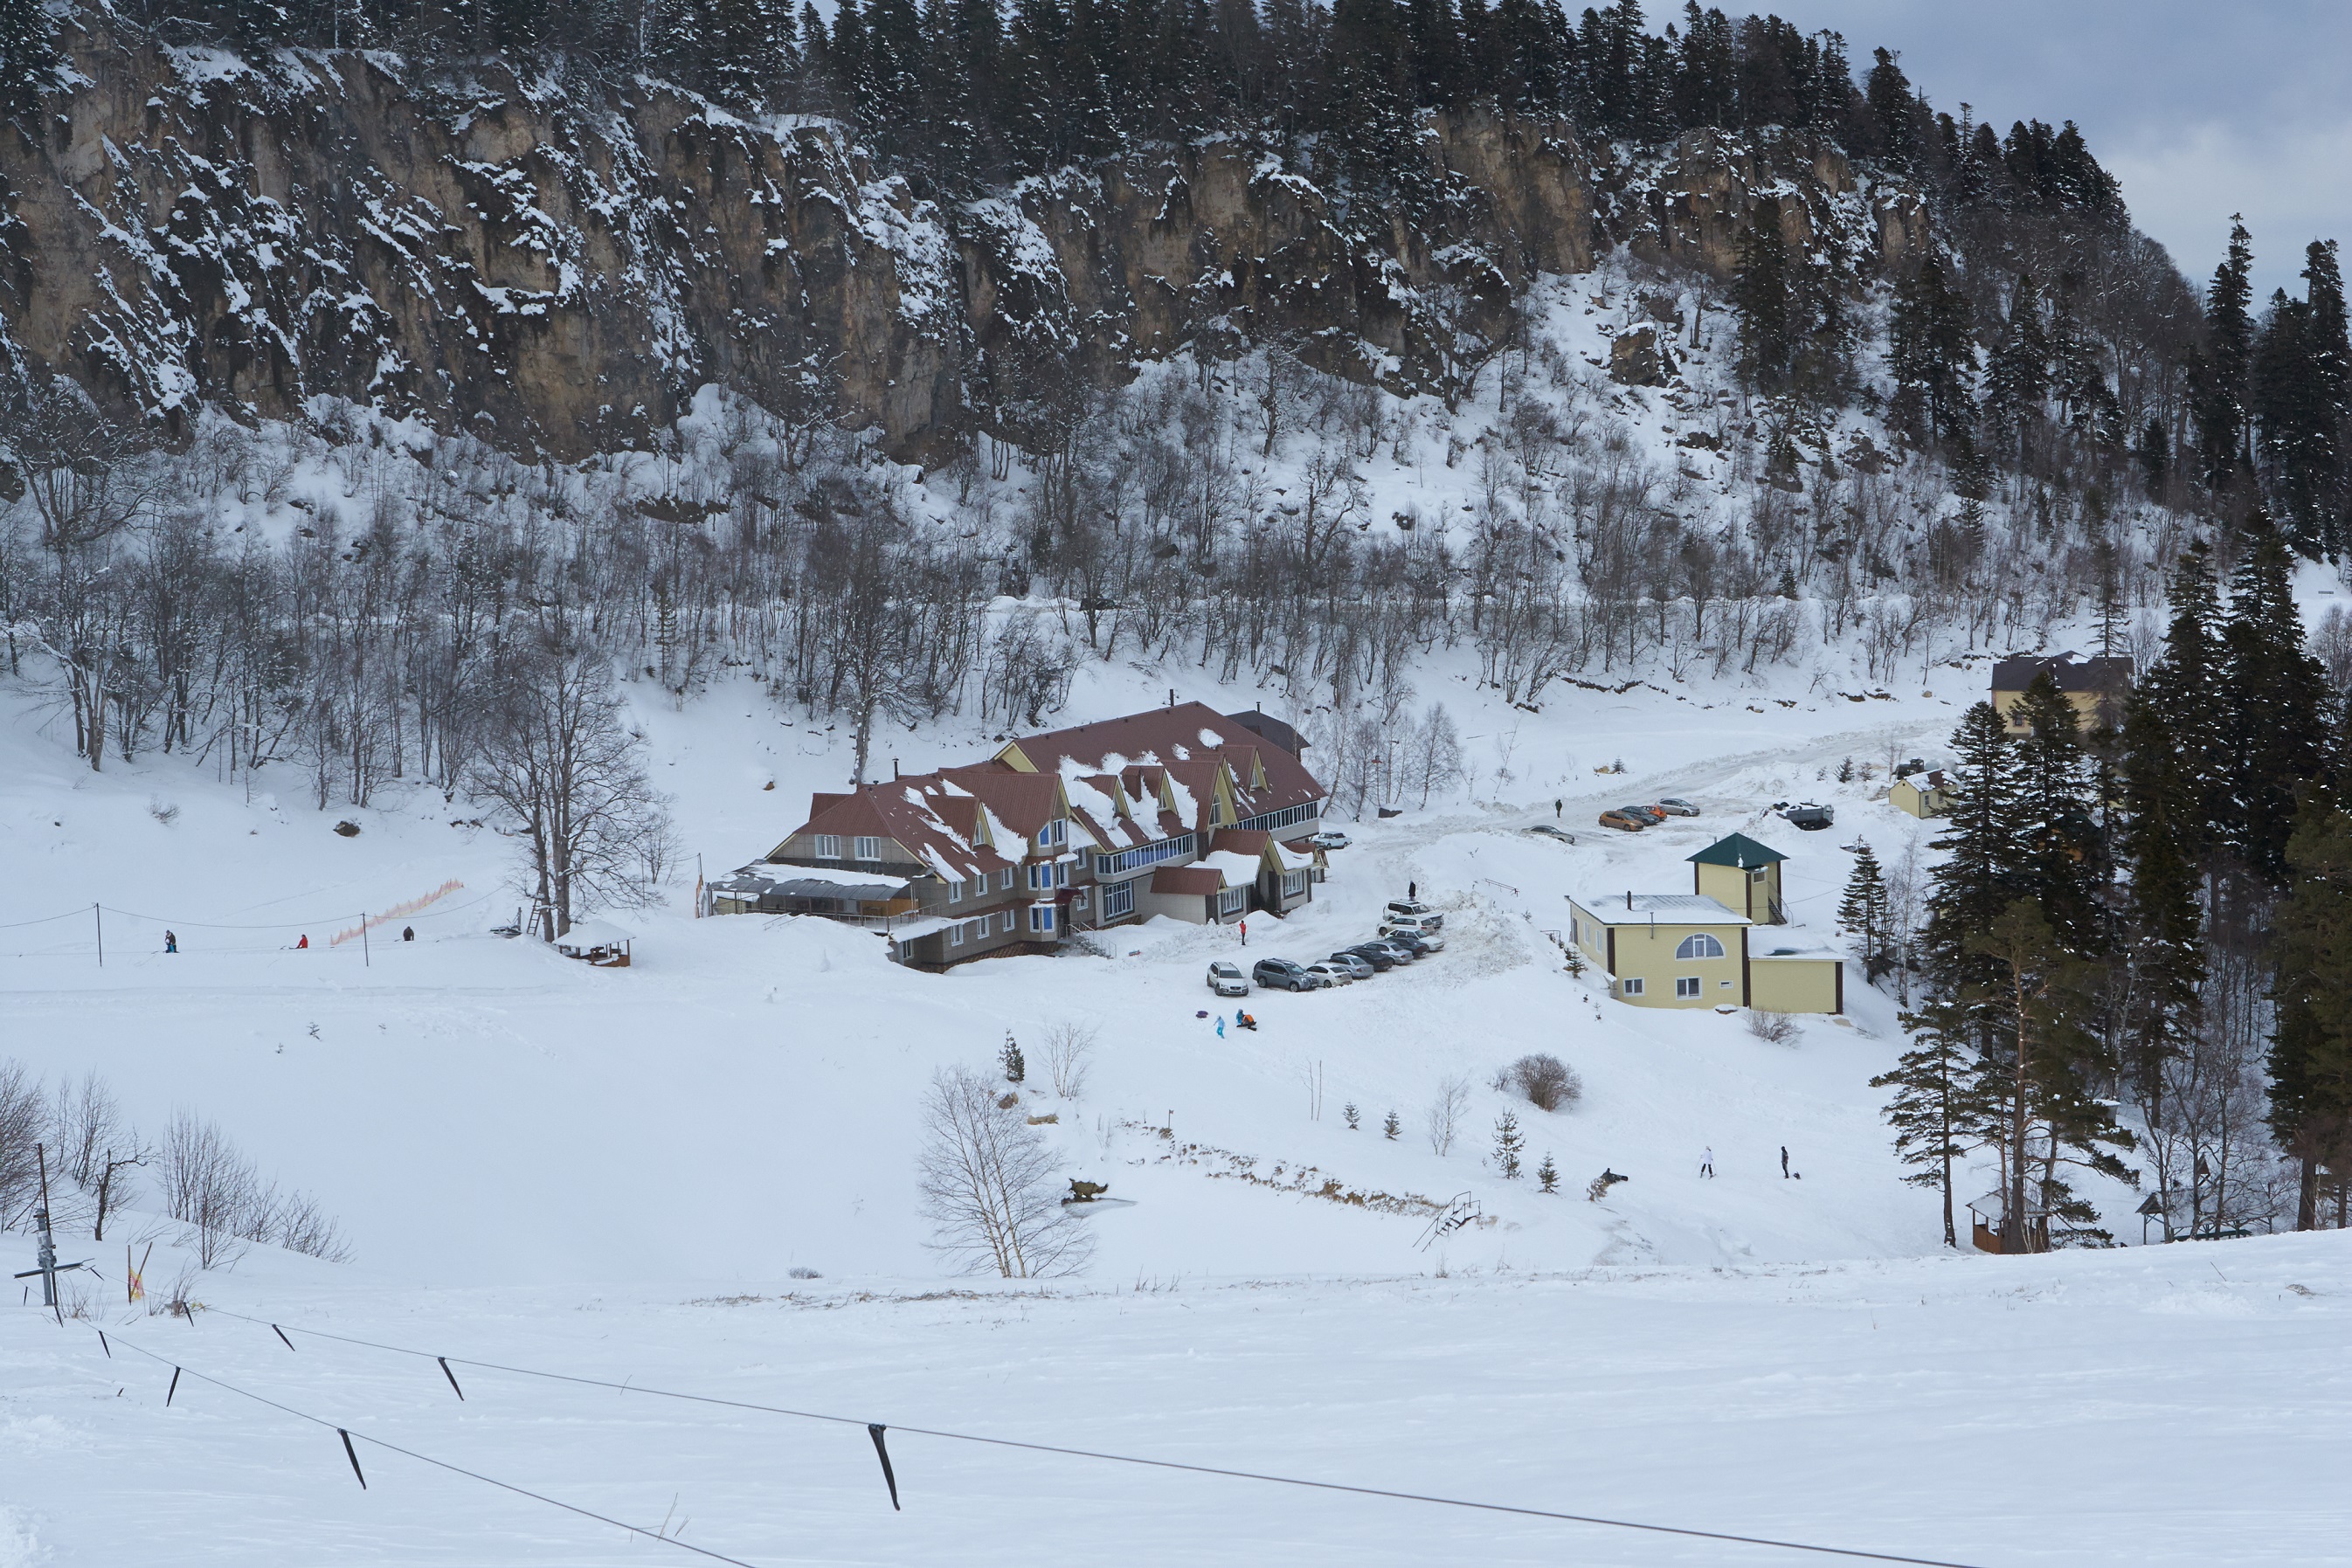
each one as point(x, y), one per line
point(828, 846)
point(1053, 834)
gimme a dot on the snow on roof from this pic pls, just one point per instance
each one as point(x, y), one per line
point(1237, 869)
point(908, 931)
point(831, 877)
point(1211, 739)
point(594, 934)
point(1294, 859)
point(1672, 908)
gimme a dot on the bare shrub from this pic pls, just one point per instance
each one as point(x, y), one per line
point(1069, 1056)
point(206, 1183)
point(1544, 1081)
point(303, 1226)
point(988, 1186)
point(24, 1116)
point(1778, 1029)
point(84, 1123)
point(1443, 1120)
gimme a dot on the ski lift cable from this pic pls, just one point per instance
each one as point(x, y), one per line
point(321, 921)
point(350, 1432)
point(1521, 1510)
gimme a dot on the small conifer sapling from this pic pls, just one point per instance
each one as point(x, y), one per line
point(1546, 1175)
point(1392, 1127)
point(1354, 1116)
point(1015, 1070)
point(1508, 1142)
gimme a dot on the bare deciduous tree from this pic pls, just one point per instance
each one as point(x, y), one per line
point(1443, 1120)
point(208, 1185)
point(568, 774)
point(989, 1185)
point(23, 1117)
point(1069, 1050)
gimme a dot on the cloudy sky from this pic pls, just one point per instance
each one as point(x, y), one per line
point(2200, 108)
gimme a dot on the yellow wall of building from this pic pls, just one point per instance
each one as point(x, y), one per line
point(1741, 891)
point(1793, 985)
point(1906, 796)
point(1646, 952)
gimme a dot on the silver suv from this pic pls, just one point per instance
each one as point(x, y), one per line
point(1226, 978)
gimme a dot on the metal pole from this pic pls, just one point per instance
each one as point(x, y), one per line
point(46, 1259)
point(367, 961)
point(101, 921)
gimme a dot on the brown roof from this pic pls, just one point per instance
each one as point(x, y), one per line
point(1197, 879)
point(1189, 741)
point(1251, 842)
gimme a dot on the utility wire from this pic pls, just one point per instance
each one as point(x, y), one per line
point(349, 1433)
point(1119, 1459)
point(322, 921)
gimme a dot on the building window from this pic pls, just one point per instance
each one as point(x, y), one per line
point(1687, 986)
point(1046, 874)
point(1231, 900)
point(1119, 899)
point(1289, 816)
point(1630, 986)
point(867, 848)
point(1056, 832)
point(828, 846)
point(905, 952)
point(955, 936)
point(1294, 882)
point(1755, 875)
point(1005, 882)
point(1699, 946)
point(1041, 918)
point(1177, 847)
point(1008, 922)
point(955, 890)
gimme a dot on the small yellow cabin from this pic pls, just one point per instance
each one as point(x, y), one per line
point(1922, 794)
point(1686, 950)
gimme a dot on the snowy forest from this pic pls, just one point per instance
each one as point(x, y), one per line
point(1826, 459)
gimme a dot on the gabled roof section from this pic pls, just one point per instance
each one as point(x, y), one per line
point(1740, 851)
point(2100, 672)
point(1185, 739)
point(1663, 909)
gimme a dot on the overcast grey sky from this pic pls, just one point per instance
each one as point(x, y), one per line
point(2202, 108)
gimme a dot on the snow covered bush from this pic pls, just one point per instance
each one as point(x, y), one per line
point(990, 1187)
point(1544, 1081)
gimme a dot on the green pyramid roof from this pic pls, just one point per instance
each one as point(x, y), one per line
point(1739, 850)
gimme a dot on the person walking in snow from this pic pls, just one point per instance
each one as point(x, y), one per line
point(170, 942)
point(1245, 933)
point(1221, 1026)
point(1784, 1162)
point(1556, 807)
point(1413, 890)
point(1707, 1163)
point(408, 934)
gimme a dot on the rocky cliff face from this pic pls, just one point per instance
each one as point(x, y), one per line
point(559, 264)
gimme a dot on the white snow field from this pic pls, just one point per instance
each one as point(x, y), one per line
point(613, 1173)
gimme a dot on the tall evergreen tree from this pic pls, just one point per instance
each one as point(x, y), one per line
point(1936, 1110)
point(1765, 298)
point(1979, 879)
point(2311, 1050)
point(2274, 724)
point(2163, 950)
point(2298, 398)
point(2186, 686)
point(2017, 375)
point(2032, 1079)
point(2055, 847)
point(2224, 382)
point(1862, 912)
point(1931, 351)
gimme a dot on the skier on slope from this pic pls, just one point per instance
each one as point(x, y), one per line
point(1707, 1161)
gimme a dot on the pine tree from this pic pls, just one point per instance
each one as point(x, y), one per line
point(2017, 376)
point(2057, 849)
point(1015, 1070)
point(1769, 329)
point(1353, 1117)
point(2163, 947)
point(1862, 912)
point(1546, 1175)
point(1931, 351)
point(2275, 731)
point(2225, 375)
point(1934, 1109)
point(2298, 403)
point(2186, 688)
point(2311, 1050)
point(28, 58)
point(1508, 1142)
point(1390, 1126)
point(1978, 880)
point(2031, 1078)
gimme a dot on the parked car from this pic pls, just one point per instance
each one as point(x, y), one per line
point(1623, 822)
point(1414, 906)
point(1810, 817)
point(1419, 925)
point(1648, 816)
point(1420, 944)
point(1377, 956)
point(1330, 841)
point(1398, 953)
point(1333, 973)
point(1226, 979)
point(1282, 974)
point(1548, 831)
point(1356, 963)
point(1675, 808)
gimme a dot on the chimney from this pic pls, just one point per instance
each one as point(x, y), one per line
point(1628, 900)
point(1171, 696)
point(894, 769)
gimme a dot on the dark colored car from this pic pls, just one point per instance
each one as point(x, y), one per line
point(1396, 950)
point(1375, 954)
point(1281, 974)
point(1355, 963)
point(1418, 945)
point(1649, 816)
